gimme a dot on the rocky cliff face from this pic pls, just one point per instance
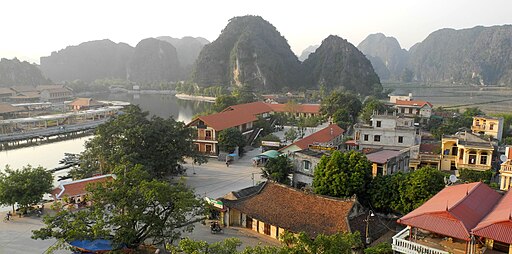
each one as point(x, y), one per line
point(337, 63)
point(88, 61)
point(479, 55)
point(387, 57)
point(154, 61)
point(306, 52)
point(249, 51)
point(16, 73)
point(188, 48)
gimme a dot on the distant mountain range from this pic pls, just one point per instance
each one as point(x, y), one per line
point(250, 50)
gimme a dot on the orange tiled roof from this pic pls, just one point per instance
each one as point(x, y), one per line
point(77, 188)
point(294, 210)
point(413, 103)
point(322, 136)
point(85, 102)
point(226, 119)
point(8, 108)
point(299, 108)
point(256, 108)
point(497, 225)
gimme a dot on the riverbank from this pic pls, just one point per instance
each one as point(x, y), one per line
point(183, 96)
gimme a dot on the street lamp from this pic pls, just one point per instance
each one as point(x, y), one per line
point(370, 214)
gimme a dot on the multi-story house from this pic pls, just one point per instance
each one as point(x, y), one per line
point(392, 132)
point(387, 162)
point(506, 170)
point(488, 125)
point(465, 150)
point(55, 93)
point(304, 163)
point(5, 93)
point(328, 138)
point(414, 108)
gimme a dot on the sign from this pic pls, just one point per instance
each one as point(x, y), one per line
point(214, 203)
point(271, 143)
point(324, 148)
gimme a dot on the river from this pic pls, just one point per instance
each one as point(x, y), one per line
point(49, 155)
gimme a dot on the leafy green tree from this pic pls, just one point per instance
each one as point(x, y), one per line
point(384, 192)
point(418, 187)
point(381, 248)
point(160, 145)
point(244, 94)
point(271, 137)
point(468, 175)
point(291, 134)
point(342, 174)
point(131, 209)
point(25, 186)
point(278, 169)
point(343, 107)
point(230, 139)
point(371, 105)
point(189, 246)
point(224, 101)
point(265, 126)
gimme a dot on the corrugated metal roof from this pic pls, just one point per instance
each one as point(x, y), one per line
point(497, 224)
point(464, 204)
point(382, 156)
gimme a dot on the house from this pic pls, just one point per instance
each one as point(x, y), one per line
point(388, 162)
point(488, 125)
point(257, 108)
point(304, 162)
point(328, 138)
point(5, 93)
point(506, 170)
point(85, 104)
point(272, 209)
point(394, 98)
point(57, 94)
point(425, 154)
point(8, 111)
point(414, 108)
point(465, 150)
point(25, 97)
point(76, 190)
point(392, 132)
point(496, 227)
point(445, 222)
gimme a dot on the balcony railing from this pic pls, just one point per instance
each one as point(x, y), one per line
point(473, 166)
point(506, 168)
point(400, 244)
point(209, 138)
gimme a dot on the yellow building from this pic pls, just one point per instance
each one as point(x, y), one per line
point(465, 150)
point(506, 170)
point(488, 125)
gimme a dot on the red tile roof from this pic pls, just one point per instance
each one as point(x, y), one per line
point(454, 211)
point(497, 225)
point(382, 156)
point(413, 103)
point(226, 119)
point(85, 102)
point(295, 210)
point(322, 136)
point(77, 188)
point(256, 108)
point(299, 108)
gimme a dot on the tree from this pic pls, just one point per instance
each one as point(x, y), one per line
point(384, 192)
point(418, 187)
point(370, 106)
point(230, 139)
point(343, 107)
point(381, 248)
point(131, 209)
point(25, 186)
point(189, 246)
point(468, 175)
point(224, 101)
point(160, 145)
point(291, 134)
point(244, 94)
point(271, 137)
point(342, 174)
point(278, 170)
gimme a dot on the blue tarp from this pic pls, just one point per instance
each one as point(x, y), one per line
point(93, 245)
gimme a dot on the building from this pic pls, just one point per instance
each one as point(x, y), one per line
point(388, 162)
point(506, 170)
point(25, 97)
point(85, 104)
point(76, 190)
point(414, 108)
point(297, 110)
point(5, 94)
point(425, 154)
point(328, 138)
point(8, 111)
point(57, 94)
point(392, 132)
point(394, 98)
point(445, 222)
point(465, 150)
point(272, 209)
point(304, 163)
point(488, 125)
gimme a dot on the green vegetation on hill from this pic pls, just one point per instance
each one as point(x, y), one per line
point(154, 61)
point(14, 72)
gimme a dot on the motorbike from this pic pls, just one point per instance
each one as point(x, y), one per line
point(215, 228)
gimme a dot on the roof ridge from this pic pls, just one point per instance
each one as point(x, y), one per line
point(468, 192)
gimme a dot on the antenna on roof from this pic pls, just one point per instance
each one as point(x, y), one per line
point(503, 158)
point(453, 178)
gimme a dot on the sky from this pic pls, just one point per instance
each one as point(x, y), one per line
point(34, 28)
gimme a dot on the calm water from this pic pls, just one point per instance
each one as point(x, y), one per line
point(48, 155)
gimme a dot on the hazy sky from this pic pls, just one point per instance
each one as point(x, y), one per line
point(34, 28)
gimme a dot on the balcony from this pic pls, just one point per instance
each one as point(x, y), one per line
point(402, 245)
point(207, 138)
point(472, 166)
point(506, 168)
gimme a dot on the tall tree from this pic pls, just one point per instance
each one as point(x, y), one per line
point(158, 144)
point(418, 187)
point(224, 101)
point(25, 186)
point(370, 106)
point(131, 209)
point(230, 139)
point(343, 107)
point(342, 174)
point(278, 170)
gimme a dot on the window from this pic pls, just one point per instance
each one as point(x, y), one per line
point(376, 138)
point(491, 126)
point(266, 229)
point(208, 148)
point(400, 139)
point(208, 135)
point(483, 158)
point(306, 165)
point(410, 110)
point(472, 157)
point(365, 137)
point(379, 123)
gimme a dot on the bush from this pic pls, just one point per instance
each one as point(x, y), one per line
point(468, 175)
